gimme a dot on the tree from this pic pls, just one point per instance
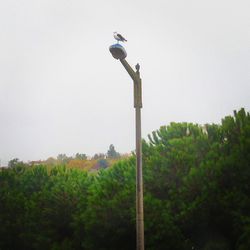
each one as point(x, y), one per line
point(112, 152)
point(102, 163)
point(63, 158)
point(51, 161)
point(99, 156)
point(196, 196)
point(14, 163)
point(80, 156)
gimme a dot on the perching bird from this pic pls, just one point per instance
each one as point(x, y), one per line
point(119, 37)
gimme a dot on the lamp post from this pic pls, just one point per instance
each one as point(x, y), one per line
point(119, 53)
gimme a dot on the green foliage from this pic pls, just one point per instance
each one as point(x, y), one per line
point(196, 195)
point(110, 214)
point(15, 163)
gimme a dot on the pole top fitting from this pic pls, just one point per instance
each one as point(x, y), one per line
point(137, 67)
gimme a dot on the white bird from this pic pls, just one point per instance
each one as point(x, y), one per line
point(119, 37)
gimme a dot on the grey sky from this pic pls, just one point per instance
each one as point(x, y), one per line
point(62, 92)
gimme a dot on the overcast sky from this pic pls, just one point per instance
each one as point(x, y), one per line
point(62, 92)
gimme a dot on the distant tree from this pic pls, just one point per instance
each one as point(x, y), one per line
point(99, 156)
point(63, 158)
point(14, 163)
point(103, 163)
point(112, 152)
point(51, 161)
point(76, 164)
point(80, 156)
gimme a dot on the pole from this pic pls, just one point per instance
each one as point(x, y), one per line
point(139, 179)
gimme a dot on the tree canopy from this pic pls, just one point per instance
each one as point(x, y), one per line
point(196, 195)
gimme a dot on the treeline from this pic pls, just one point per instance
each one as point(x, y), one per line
point(196, 195)
point(79, 160)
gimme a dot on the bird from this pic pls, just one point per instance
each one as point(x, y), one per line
point(119, 37)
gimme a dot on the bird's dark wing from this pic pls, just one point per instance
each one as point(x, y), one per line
point(121, 37)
